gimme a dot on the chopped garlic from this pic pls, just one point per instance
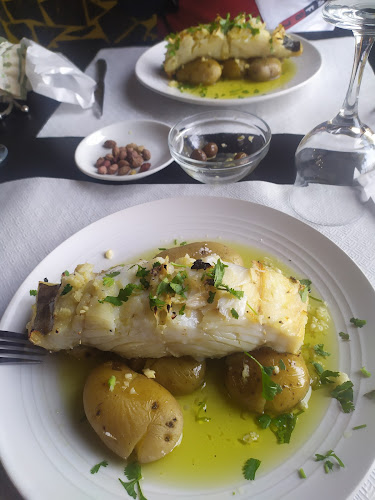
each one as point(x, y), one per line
point(245, 371)
point(133, 391)
point(276, 370)
point(128, 376)
point(250, 437)
point(108, 254)
point(149, 373)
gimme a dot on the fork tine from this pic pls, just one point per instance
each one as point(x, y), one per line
point(16, 348)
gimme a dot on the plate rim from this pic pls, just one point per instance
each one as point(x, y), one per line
point(116, 178)
point(249, 204)
point(191, 99)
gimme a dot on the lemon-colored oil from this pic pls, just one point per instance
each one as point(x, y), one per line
point(240, 89)
point(212, 451)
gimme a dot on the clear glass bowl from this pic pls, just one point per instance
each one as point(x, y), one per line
point(233, 132)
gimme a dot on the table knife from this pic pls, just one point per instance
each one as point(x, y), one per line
point(101, 70)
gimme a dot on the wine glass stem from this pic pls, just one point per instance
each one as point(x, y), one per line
point(363, 44)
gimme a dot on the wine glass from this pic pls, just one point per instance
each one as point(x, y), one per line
point(335, 160)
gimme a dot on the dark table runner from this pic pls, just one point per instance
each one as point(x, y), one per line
point(54, 157)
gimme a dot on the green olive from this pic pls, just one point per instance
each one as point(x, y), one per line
point(178, 375)
point(243, 380)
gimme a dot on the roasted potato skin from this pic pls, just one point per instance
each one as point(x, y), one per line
point(263, 69)
point(137, 416)
point(179, 376)
point(200, 71)
point(200, 249)
point(244, 382)
point(234, 69)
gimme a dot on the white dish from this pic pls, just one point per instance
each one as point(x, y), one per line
point(151, 134)
point(48, 456)
point(149, 72)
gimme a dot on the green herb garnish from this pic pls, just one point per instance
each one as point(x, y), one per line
point(108, 278)
point(33, 292)
point(181, 312)
point(155, 302)
point(344, 336)
point(358, 322)
point(142, 272)
point(234, 313)
point(67, 288)
point(250, 467)
point(202, 406)
point(96, 467)
point(357, 427)
point(111, 382)
point(344, 395)
point(328, 465)
point(325, 375)
point(269, 388)
point(301, 473)
point(365, 372)
point(211, 297)
point(264, 421)
point(319, 349)
point(66, 273)
point(282, 365)
point(133, 472)
point(123, 295)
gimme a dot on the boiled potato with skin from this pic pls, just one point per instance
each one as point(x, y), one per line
point(200, 249)
point(244, 381)
point(200, 71)
point(133, 414)
point(234, 69)
point(263, 69)
point(180, 376)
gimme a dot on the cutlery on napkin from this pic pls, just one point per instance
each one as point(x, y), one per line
point(101, 70)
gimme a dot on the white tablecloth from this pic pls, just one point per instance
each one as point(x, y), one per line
point(295, 113)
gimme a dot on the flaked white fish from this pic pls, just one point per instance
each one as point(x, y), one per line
point(156, 308)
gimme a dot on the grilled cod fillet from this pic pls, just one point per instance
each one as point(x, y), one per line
point(243, 38)
point(203, 308)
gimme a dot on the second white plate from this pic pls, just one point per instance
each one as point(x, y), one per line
point(152, 135)
point(149, 72)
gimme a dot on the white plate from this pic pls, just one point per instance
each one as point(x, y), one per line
point(151, 134)
point(149, 72)
point(47, 455)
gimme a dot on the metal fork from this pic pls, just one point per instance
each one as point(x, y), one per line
point(15, 348)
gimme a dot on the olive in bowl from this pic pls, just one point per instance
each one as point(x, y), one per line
point(220, 146)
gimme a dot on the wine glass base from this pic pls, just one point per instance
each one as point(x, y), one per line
point(327, 205)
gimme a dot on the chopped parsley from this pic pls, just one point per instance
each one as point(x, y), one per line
point(250, 467)
point(282, 365)
point(175, 286)
point(328, 464)
point(344, 395)
point(67, 288)
point(142, 272)
point(359, 323)
point(156, 264)
point(96, 467)
point(181, 312)
point(234, 313)
point(282, 426)
point(304, 291)
point(325, 375)
point(155, 302)
point(211, 297)
point(66, 273)
point(301, 473)
point(123, 295)
point(162, 249)
point(344, 336)
point(108, 278)
point(111, 382)
point(202, 406)
point(33, 292)
point(133, 472)
point(365, 372)
point(269, 388)
point(357, 427)
point(319, 350)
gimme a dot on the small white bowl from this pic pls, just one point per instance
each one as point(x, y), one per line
point(233, 132)
point(152, 135)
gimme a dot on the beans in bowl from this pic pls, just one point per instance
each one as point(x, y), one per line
point(123, 160)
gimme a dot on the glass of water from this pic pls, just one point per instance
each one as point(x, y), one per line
point(336, 160)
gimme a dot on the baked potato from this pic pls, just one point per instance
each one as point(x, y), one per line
point(180, 376)
point(200, 71)
point(132, 413)
point(243, 380)
point(263, 69)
